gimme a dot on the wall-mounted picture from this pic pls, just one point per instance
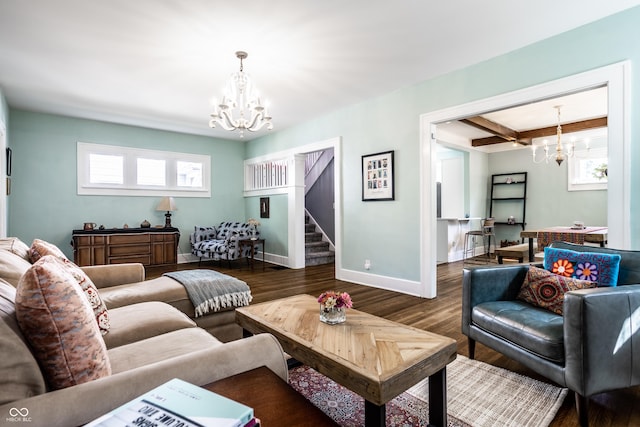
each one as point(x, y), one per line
point(264, 207)
point(377, 176)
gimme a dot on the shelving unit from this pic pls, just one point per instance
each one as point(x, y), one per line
point(509, 198)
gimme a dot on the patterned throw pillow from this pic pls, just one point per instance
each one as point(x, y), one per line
point(91, 292)
point(545, 289)
point(592, 266)
point(59, 324)
point(40, 248)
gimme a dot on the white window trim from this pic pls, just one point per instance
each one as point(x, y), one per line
point(130, 188)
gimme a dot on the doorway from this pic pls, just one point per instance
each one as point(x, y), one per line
point(615, 77)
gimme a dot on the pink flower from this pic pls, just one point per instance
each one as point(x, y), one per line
point(330, 299)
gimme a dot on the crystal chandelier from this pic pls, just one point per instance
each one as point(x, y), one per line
point(559, 154)
point(240, 94)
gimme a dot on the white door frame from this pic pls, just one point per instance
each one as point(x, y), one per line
point(296, 204)
point(616, 77)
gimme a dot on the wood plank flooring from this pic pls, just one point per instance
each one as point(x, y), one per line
point(441, 315)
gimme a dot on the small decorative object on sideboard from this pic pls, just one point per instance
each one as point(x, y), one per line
point(88, 226)
point(333, 307)
point(254, 231)
point(145, 224)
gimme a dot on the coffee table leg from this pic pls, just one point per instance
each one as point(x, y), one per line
point(438, 398)
point(374, 415)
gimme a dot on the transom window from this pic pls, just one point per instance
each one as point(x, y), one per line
point(114, 170)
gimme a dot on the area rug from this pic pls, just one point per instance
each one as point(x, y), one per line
point(478, 395)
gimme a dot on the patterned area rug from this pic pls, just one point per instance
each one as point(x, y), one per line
point(478, 395)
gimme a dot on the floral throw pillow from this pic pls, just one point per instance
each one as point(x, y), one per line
point(58, 322)
point(40, 248)
point(91, 292)
point(545, 289)
point(592, 266)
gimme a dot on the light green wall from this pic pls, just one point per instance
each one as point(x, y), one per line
point(388, 232)
point(44, 200)
point(275, 228)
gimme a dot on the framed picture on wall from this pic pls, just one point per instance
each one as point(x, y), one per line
point(377, 176)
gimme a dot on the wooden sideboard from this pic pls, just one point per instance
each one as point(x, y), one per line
point(149, 246)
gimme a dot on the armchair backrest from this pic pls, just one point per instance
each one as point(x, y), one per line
point(629, 260)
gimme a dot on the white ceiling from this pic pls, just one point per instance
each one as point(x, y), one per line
point(157, 63)
point(588, 104)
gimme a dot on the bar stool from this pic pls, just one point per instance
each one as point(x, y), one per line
point(486, 232)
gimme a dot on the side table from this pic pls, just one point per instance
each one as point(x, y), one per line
point(252, 243)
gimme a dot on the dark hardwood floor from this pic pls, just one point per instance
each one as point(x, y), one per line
point(441, 315)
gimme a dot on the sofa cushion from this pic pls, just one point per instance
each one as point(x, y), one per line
point(20, 375)
point(12, 267)
point(91, 292)
point(535, 329)
point(40, 248)
point(58, 322)
point(593, 266)
point(136, 322)
point(15, 246)
point(545, 289)
point(161, 347)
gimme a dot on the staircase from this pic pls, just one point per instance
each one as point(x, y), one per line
point(316, 251)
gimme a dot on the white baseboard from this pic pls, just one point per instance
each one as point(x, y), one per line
point(377, 281)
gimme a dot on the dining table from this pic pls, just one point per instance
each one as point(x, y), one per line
point(578, 235)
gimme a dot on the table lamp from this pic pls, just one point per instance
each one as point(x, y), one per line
point(167, 204)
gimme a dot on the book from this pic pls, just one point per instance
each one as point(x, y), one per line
point(178, 403)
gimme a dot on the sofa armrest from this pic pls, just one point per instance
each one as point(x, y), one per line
point(602, 338)
point(83, 403)
point(489, 283)
point(104, 276)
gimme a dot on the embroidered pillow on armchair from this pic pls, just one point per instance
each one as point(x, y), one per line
point(595, 267)
point(545, 289)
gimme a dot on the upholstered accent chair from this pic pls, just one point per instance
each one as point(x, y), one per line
point(221, 242)
point(591, 348)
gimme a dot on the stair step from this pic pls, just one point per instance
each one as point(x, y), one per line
point(320, 246)
point(312, 237)
point(317, 258)
point(309, 228)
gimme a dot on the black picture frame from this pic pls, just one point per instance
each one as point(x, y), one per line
point(378, 182)
point(9, 158)
point(264, 207)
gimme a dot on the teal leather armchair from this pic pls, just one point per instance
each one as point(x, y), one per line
point(591, 349)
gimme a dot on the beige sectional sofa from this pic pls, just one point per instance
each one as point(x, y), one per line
point(148, 342)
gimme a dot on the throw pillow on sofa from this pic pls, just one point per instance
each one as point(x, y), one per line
point(58, 321)
point(91, 292)
point(40, 248)
point(545, 289)
point(593, 266)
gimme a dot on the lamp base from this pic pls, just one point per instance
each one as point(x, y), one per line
point(167, 220)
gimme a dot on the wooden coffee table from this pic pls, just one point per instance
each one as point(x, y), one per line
point(374, 357)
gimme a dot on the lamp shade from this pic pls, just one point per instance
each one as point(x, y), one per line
point(167, 204)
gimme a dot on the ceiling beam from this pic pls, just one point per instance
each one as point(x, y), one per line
point(599, 122)
point(526, 136)
point(487, 125)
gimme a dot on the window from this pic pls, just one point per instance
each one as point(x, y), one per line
point(588, 170)
point(125, 171)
